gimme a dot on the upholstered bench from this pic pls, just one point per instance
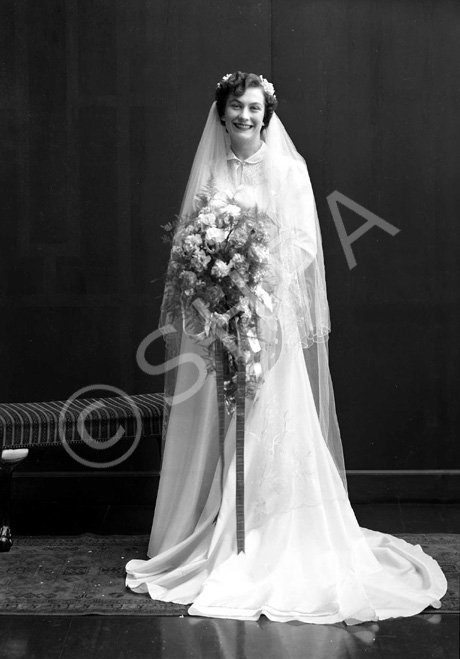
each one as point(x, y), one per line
point(36, 425)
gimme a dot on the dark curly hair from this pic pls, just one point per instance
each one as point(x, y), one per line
point(237, 84)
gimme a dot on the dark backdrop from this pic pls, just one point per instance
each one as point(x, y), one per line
point(102, 105)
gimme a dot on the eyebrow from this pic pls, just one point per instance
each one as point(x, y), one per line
point(237, 100)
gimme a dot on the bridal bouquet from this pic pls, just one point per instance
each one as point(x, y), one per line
point(219, 258)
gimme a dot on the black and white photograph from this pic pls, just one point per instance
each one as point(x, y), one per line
point(229, 329)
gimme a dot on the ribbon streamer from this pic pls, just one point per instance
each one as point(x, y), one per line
point(219, 357)
point(239, 451)
point(240, 421)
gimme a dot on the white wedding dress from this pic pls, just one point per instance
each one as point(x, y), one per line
point(306, 558)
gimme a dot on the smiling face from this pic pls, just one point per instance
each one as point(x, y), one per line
point(244, 116)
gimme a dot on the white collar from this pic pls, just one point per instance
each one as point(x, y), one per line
point(258, 156)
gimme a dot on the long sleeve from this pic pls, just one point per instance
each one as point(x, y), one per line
point(301, 214)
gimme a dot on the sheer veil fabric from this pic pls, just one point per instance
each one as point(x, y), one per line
point(306, 557)
point(280, 184)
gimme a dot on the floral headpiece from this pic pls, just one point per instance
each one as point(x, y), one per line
point(267, 86)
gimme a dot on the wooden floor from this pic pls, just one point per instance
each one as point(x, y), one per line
point(430, 635)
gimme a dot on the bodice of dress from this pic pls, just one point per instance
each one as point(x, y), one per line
point(249, 172)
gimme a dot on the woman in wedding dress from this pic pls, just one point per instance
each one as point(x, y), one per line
point(303, 555)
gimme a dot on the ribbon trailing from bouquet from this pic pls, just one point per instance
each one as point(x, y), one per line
point(239, 449)
point(219, 359)
point(240, 422)
point(247, 365)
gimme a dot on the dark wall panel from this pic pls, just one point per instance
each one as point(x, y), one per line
point(369, 99)
point(48, 200)
point(97, 47)
point(7, 37)
point(101, 108)
point(79, 339)
point(99, 247)
point(46, 50)
point(155, 191)
point(8, 191)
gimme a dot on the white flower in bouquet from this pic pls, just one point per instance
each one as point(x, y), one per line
point(216, 204)
point(192, 241)
point(261, 253)
point(201, 256)
point(239, 263)
point(206, 218)
point(220, 269)
point(200, 260)
point(218, 235)
point(232, 209)
point(245, 197)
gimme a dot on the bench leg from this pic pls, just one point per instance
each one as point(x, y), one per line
point(9, 459)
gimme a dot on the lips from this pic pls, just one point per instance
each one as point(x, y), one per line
point(242, 126)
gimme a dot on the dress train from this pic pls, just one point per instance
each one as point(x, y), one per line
point(306, 557)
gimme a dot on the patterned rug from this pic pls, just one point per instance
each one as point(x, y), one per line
point(80, 575)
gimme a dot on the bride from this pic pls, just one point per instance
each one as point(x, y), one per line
point(264, 526)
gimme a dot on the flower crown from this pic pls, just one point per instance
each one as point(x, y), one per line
point(267, 86)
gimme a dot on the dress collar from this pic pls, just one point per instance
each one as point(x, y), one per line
point(258, 156)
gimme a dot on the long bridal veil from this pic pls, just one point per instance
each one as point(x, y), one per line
point(296, 261)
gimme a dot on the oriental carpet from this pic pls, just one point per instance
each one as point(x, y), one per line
point(85, 574)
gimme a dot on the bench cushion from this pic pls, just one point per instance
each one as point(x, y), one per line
point(37, 424)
